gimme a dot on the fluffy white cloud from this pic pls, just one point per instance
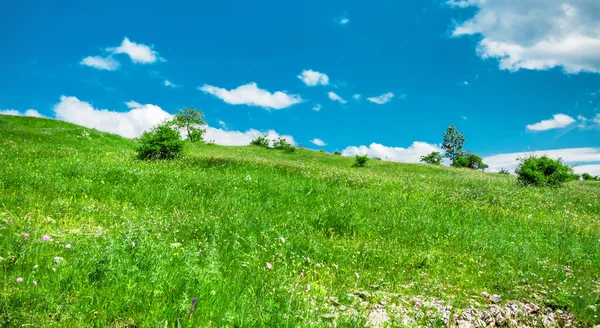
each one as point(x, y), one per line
point(129, 124)
point(238, 138)
point(333, 96)
point(249, 94)
point(29, 112)
point(568, 155)
point(102, 63)
point(383, 99)
point(139, 53)
point(356, 96)
point(344, 21)
point(412, 154)
point(318, 142)
point(556, 122)
point(317, 107)
point(536, 34)
point(312, 78)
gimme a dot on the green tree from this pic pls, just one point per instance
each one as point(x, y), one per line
point(434, 158)
point(162, 142)
point(470, 161)
point(191, 121)
point(453, 143)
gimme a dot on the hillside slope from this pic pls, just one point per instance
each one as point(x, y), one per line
point(265, 238)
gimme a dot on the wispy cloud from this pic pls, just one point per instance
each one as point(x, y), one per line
point(318, 142)
point(139, 53)
point(313, 78)
point(344, 21)
point(333, 96)
point(356, 96)
point(556, 122)
point(102, 63)
point(170, 84)
point(383, 99)
point(317, 107)
point(250, 94)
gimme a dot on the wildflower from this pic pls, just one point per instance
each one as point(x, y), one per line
point(54, 269)
point(308, 287)
point(269, 266)
point(357, 276)
point(417, 304)
point(174, 245)
point(26, 235)
point(19, 279)
point(34, 283)
point(308, 259)
point(46, 237)
point(213, 293)
point(35, 266)
point(282, 239)
point(68, 245)
point(133, 244)
point(58, 259)
point(335, 266)
point(302, 274)
point(192, 307)
point(455, 316)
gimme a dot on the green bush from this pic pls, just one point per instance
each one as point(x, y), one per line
point(543, 171)
point(589, 177)
point(470, 161)
point(162, 142)
point(434, 158)
point(503, 171)
point(337, 153)
point(282, 144)
point(261, 141)
point(361, 160)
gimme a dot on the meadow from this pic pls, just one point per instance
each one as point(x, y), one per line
point(92, 237)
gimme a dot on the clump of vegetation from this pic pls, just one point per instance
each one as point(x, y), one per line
point(504, 172)
point(361, 160)
point(453, 145)
point(376, 158)
point(337, 153)
point(543, 171)
point(191, 122)
point(434, 158)
point(282, 144)
point(470, 161)
point(162, 142)
point(261, 141)
point(589, 177)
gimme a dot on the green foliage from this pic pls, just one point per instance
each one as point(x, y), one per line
point(282, 144)
point(453, 143)
point(589, 177)
point(376, 158)
point(470, 161)
point(543, 171)
point(338, 153)
point(504, 172)
point(261, 141)
point(191, 121)
point(434, 158)
point(162, 142)
point(361, 160)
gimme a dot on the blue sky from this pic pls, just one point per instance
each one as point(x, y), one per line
point(514, 76)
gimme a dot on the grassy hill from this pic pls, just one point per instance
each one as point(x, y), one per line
point(147, 237)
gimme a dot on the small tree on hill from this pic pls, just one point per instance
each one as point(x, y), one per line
point(338, 153)
point(453, 143)
point(190, 120)
point(470, 161)
point(261, 141)
point(162, 142)
point(504, 171)
point(361, 160)
point(543, 171)
point(434, 158)
point(281, 143)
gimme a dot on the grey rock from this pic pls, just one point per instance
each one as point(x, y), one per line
point(495, 298)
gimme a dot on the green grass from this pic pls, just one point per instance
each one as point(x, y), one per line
point(404, 228)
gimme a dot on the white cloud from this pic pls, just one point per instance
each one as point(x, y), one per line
point(412, 154)
point(317, 107)
point(593, 169)
point(557, 121)
point(597, 119)
point(536, 34)
point(102, 63)
point(465, 82)
point(333, 96)
point(223, 125)
point(569, 155)
point(139, 53)
point(312, 78)
point(383, 99)
point(29, 112)
point(318, 142)
point(249, 94)
point(170, 84)
point(129, 124)
point(344, 21)
point(356, 96)
point(464, 117)
point(238, 138)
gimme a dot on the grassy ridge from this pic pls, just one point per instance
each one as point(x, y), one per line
point(206, 226)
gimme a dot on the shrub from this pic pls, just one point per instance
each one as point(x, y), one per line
point(337, 153)
point(190, 120)
point(321, 151)
point(376, 158)
point(162, 142)
point(503, 171)
point(543, 171)
point(361, 161)
point(470, 161)
point(434, 158)
point(281, 143)
point(589, 177)
point(261, 141)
